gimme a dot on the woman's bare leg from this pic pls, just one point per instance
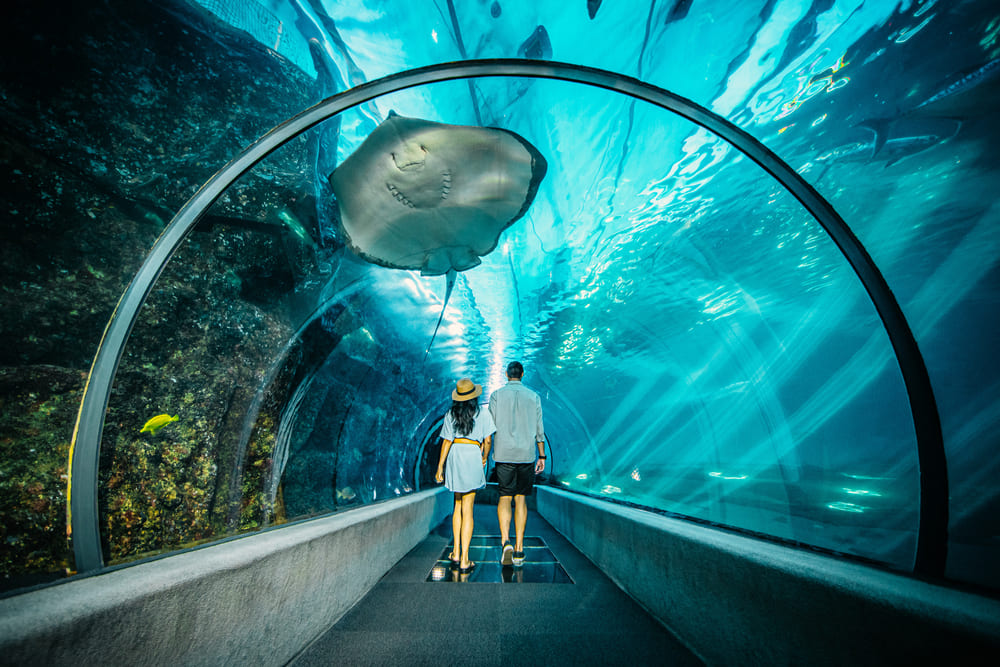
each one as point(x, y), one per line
point(468, 500)
point(456, 527)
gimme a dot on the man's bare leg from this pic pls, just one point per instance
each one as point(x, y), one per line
point(503, 514)
point(520, 519)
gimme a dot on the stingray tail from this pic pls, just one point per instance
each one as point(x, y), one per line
point(449, 286)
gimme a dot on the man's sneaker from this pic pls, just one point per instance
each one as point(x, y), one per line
point(508, 553)
point(518, 558)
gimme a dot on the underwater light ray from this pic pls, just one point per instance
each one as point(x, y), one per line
point(954, 277)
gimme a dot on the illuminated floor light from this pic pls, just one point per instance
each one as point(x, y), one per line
point(719, 475)
point(862, 492)
point(846, 507)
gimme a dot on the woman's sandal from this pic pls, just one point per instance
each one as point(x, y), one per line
point(466, 570)
point(455, 563)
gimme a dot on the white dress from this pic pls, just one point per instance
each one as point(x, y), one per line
point(463, 470)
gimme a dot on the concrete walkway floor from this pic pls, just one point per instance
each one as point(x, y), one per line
point(411, 617)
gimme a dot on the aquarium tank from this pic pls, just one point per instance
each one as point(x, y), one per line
point(747, 252)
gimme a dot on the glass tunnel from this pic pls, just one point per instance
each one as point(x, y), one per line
point(755, 278)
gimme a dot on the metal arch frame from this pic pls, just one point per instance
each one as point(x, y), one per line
point(83, 515)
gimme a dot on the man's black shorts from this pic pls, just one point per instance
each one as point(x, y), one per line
point(515, 479)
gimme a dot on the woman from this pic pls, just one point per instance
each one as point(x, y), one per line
point(467, 433)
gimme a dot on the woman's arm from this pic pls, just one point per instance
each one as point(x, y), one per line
point(445, 448)
point(487, 443)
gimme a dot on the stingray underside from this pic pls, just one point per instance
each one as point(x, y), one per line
point(432, 197)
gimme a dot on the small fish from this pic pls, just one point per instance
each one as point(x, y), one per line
point(157, 422)
point(346, 494)
point(537, 46)
point(678, 11)
point(966, 81)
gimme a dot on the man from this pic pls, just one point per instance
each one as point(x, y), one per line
point(517, 413)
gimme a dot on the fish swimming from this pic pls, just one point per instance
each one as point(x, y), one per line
point(967, 93)
point(905, 136)
point(538, 46)
point(156, 423)
point(430, 197)
point(893, 143)
point(966, 81)
point(678, 12)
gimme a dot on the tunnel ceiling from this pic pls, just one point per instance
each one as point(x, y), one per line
point(701, 345)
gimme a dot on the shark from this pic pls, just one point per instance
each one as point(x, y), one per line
point(972, 91)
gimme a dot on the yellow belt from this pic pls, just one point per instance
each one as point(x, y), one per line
point(468, 440)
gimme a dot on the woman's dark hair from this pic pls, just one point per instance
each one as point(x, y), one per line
point(464, 414)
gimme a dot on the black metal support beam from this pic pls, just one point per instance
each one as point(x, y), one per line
point(933, 523)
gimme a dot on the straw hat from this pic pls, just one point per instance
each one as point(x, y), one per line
point(466, 390)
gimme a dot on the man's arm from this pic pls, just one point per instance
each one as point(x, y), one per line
point(487, 443)
point(540, 439)
point(539, 427)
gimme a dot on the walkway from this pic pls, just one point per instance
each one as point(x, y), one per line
point(422, 614)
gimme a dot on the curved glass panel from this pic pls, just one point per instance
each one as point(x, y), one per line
point(723, 366)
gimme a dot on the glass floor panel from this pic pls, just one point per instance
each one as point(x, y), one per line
point(494, 540)
point(483, 554)
point(540, 564)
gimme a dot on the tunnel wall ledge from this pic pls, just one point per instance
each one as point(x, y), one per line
point(255, 600)
point(734, 599)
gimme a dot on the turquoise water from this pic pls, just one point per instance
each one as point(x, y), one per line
point(701, 345)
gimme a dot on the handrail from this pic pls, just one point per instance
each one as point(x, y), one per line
point(85, 449)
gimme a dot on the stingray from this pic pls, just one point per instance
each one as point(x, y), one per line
point(429, 197)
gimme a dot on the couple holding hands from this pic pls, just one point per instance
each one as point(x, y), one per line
point(512, 427)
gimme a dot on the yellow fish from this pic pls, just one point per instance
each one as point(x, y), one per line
point(157, 422)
